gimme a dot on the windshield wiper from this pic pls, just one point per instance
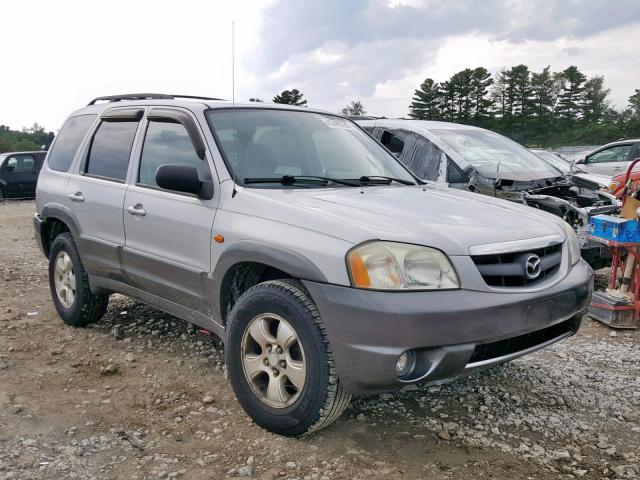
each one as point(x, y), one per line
point(371, 179)
point(289, 180)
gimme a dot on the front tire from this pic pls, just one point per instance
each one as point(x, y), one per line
point(279, 361)
point(69, 285)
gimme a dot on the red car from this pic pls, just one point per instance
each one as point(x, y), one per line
point(616, 186)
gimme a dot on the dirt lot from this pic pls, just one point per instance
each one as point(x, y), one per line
point(143, 395)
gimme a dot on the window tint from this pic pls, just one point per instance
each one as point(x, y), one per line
point(393, 141)
point(111, 148)
point(425, 161)
point(22, 163)
point(166, 144)
point(618, 153)
point(68, 141)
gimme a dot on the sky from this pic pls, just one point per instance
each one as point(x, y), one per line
point(334, 51)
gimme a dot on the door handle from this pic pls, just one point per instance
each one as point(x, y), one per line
point(137, 210)
point(76, 197)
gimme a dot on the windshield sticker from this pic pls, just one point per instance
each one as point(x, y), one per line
point(338, 123)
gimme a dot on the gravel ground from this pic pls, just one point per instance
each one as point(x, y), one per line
point(143, 395)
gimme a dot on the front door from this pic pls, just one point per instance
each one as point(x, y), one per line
point(169, 234)
point(612, 160)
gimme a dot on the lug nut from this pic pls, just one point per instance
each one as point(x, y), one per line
point(283, 364)
point(269, 348)
point(266, 361)
point(279, 350)
point(276, 372)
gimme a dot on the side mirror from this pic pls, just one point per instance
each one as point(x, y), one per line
point(9, 168)
point(183, 178)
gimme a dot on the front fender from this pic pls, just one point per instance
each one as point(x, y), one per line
point(284, 259)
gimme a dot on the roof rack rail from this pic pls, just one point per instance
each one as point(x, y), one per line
point(146, 96)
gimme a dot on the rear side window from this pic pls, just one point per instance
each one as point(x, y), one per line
point(393, 141)
point(425, 161)
point(110, 149)
point(21, 163)
point(166, 144)
point(68, 141)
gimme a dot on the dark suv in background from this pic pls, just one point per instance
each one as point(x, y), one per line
point(19, 173)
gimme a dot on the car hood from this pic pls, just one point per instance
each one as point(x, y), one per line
point(600, 180)
point(447, 219)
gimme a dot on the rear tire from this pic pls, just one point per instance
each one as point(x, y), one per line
point(69, 285)
point(290, 336)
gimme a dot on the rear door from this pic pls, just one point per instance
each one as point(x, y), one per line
point(168, 233)
point(611, 160)
point(96, 191)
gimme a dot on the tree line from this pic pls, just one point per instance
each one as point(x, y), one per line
point(34, 138)
point(543, 108)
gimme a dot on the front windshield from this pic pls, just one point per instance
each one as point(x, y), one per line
point(267, 144)
point(555, 161)
point(495, 156)
point(2, 157)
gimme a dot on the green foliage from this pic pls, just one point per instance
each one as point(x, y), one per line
point(290, 97)
point(33, 138)
point(543, 108)
point(355, 108)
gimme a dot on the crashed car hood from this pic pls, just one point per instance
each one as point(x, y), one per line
point(596, 178)
point(447, 219)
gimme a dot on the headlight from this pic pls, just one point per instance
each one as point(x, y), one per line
point(572, 244)
point(400, 266)
point(613, 186)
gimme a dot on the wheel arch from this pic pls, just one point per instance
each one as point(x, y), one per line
point(248, 263)
point(55, 221)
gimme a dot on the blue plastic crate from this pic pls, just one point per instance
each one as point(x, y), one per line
point(617, 229)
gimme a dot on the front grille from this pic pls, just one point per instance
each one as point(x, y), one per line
point(509, 269)
point(488, 351)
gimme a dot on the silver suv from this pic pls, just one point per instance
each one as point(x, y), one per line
point(324, 265)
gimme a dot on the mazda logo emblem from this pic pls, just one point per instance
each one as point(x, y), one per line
point(532, 266)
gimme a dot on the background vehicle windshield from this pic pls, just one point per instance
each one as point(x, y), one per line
point(486, 150)
point(274, 143)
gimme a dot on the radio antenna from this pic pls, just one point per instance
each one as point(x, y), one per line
point(233, 105)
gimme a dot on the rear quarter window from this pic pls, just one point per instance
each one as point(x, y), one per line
point(68, 140)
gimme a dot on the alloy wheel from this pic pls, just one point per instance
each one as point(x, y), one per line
point(273, 360)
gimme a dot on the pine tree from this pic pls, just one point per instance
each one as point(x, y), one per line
point(571, 94)
point(461, 84)
point(595, 102)
point(544, 92)
point(355, 108)
point(290, 97)
point(426, 101)
point(480, 82)
point(634, 103)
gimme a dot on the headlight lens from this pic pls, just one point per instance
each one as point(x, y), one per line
point(613, 186)
point(400, 266)
point(572, 244)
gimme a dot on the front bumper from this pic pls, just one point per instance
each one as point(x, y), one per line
point(368, 330)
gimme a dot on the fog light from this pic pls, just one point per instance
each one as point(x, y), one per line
point(406, 362)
